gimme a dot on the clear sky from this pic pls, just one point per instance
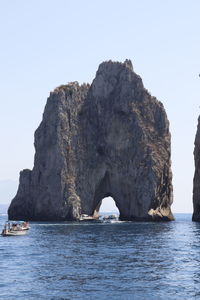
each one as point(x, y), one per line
point(45, 43)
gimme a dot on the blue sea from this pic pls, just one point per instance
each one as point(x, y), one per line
point(59, 261)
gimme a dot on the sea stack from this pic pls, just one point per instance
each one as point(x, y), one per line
point(110, 138)
point(196, 180)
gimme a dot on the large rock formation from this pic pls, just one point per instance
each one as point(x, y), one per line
point(196, 181)
point(108, 139)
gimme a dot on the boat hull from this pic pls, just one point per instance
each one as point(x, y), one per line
point(14, 233)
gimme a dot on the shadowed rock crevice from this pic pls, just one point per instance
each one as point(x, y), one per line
point(108, 139)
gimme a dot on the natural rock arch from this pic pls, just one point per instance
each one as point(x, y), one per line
point(110, 138)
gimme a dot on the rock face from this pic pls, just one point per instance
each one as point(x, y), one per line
point(196, 181)
point(108, 139)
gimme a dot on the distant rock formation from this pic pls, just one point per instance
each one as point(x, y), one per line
point(108, 139)
point(196, 181)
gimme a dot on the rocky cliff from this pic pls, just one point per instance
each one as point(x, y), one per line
point(196, 181)
point(110, 138)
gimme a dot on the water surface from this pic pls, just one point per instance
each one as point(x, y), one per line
point(102, 261)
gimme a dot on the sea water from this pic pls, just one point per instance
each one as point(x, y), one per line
point(102, 261)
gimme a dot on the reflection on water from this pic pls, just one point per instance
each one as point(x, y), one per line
point(114, 261)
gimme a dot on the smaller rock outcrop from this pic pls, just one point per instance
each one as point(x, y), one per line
point(196, 180)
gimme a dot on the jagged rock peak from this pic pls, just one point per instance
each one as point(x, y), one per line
point(113, 75)
point(70, 86)
point(108, 139)
point(112, 66)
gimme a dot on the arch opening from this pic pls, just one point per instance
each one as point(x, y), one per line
point(105, 201)
point(107, 207)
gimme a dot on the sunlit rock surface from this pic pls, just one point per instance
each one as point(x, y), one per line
point(196, 181)
point(108, 139)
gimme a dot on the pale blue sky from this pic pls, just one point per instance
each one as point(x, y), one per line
point(45, 43)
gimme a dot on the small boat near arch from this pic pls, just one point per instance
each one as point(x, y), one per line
point(15, 228)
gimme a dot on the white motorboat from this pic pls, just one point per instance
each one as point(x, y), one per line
point(110, 219)
point(87, 218)
point(15, 229)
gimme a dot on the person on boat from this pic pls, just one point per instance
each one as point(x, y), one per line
point(26, 225)
point(5, 230)
point(14, 226)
